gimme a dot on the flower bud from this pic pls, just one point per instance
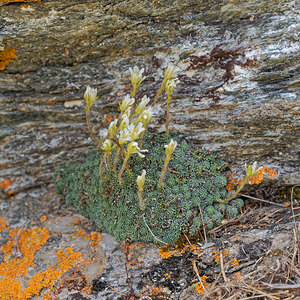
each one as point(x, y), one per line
point(134, 148)
point(136, 76)
point(112, 129)
point(136, 131)
point(170, 72)
point(124, 136)
point(252, 170)
point(142, 105)
point(146, 116)
point(124, 122)
point(107, 146)
point(140, 181)
point(170, 85)
point(170, 148)
point(90, 96)
point(127, 101)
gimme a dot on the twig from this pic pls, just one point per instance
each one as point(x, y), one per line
point(193, 247)
point(295, 227)
point(268, 216)
point(261, 293)
point(116, 291)
point(263, 200)
point(174, 198)
point(126, 270)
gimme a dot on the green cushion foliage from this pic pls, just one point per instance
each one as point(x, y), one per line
point(195, 179)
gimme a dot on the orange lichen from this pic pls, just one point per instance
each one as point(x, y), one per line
point(5, 183)
point(23, 1)
point(234, 263)
point(217, 256)
point(2, 224)
point(148, 292)
point(77, 220)
point(19, 250)
point(94, 237)
point(110, 118)
point(19, 253)
point(10, 289)
point(235, 179)
point(200, 288)
point(232, 180)
point(260, 175)
point(165, 252)
point(155, 291)
point(168, 275)
point(66, 259)
point(132, 250)
point(6, 57)
point(238, 276)
point(79, 233)
point(43, 218)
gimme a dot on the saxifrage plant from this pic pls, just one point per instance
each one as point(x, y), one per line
point(169, 188)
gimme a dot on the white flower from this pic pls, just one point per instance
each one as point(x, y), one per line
point(170, 85)
point(134, 148)
point(127, 101)
point(142, 105)
point(106, 146)
point(124, 121)
point(124, 136)
point(170, 72)
point(140, 181)
point(170, 148)
point(90, 97)
point(136, 76)
point(112, 129)
point(252, 170)
point(146, 116)
point(136, 131)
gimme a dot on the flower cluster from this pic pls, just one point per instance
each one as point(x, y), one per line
point(169, 83)
point(125, 134)
point(136, 197)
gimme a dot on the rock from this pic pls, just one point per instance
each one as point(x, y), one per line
point(238, 92)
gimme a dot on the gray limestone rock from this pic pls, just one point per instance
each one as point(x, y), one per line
point(238, 68)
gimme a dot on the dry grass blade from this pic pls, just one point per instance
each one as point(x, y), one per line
point(222, 267)
point(198, 275)
point(156, 238)
point(263, 200)
point(282, 286)
point(204, 230)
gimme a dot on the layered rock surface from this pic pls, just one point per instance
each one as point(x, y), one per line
point(238, 69)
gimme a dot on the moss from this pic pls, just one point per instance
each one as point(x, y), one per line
point(197, 178)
